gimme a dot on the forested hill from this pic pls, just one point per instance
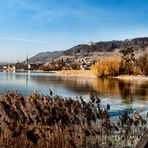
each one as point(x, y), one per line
point(139, 44)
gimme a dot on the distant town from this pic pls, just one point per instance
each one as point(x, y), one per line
point(66, 64)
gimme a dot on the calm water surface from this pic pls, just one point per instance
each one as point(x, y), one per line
point(118, 93)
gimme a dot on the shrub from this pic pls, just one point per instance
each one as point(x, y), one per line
point(107, 67)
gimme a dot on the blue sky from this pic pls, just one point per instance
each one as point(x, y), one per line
point(32, 26)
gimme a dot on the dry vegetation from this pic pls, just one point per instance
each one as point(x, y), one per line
point(107, 67)
point(127, 64)
point(51, 121)
point(84, 73)
point(141, 63)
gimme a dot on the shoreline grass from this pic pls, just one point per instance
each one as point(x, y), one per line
point(89, 73)
point(52, 121)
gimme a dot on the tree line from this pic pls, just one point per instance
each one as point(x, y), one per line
point(125, 64)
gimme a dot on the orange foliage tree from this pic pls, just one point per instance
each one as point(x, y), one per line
point(107, 67)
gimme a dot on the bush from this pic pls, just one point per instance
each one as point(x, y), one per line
point(107, 67)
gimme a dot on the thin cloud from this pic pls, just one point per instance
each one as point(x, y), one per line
point(24, 40)
point(53, 11)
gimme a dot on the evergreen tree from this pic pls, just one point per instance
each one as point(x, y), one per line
point(128, 58)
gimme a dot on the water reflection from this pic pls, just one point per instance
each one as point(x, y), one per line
point(110, 88)
point(121, 88)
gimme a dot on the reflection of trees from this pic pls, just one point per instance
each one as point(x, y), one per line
point(125, 90)
point(106, 86)
point(102, 86)
point(142, 91)
point(130, 89)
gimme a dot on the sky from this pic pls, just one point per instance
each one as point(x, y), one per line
point(33, 26)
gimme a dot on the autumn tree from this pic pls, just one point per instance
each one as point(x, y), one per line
point(107, 67)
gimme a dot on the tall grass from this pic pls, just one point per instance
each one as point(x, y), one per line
point(56, 122)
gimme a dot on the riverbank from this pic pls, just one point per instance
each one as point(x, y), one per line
point(132, 77)
point(82, 73)
point(89, 73)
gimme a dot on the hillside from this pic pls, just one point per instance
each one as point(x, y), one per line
point(139, 44)
point(108, 47)
point(45, 56)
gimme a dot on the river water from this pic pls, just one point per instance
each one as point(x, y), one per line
point(120, 94)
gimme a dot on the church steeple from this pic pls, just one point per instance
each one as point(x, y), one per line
point(27, 63)
point(27, 60)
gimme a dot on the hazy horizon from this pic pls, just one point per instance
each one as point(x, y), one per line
point(29, 26)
